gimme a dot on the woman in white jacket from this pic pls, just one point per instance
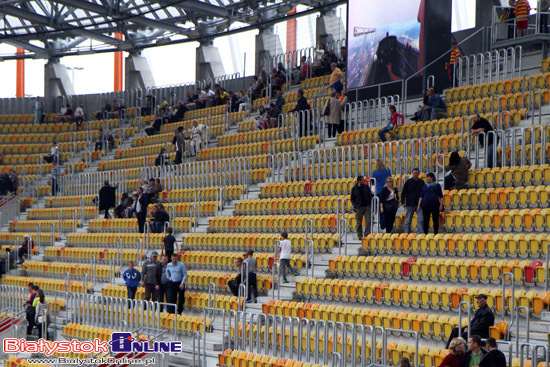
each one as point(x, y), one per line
point(42, 313)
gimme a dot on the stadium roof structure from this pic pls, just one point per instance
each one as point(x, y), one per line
point(56, 28)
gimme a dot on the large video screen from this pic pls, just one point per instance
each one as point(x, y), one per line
point(383, 41)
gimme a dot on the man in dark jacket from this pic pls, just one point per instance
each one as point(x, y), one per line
point(479, 325)
point(409, 200)
point(302, 105)
point(361, 197)
point(141, 208)
point(107, 198)
point(495, 358)
point(160, 216)
point(481, 125)
point(475, 355)
point(179, 142)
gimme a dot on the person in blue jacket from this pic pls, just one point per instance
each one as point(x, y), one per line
point(132, 277)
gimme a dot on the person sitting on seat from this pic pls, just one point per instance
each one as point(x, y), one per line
point(24, 249)
point(435, 105)
point(392, 125)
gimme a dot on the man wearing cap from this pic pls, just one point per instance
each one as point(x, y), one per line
point(177, 275)
point(479, 325)
point(24, 249)
point(151, 272)
point(107, 198)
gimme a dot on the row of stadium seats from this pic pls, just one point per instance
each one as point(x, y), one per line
point(46, 284)
point(206, 119)
point(428, 357)
point(415, 296)
point(483, 90)
point(131, 225)
point(249, 137)
point(236, 358)
point(430, 325)
point(9, 238)
point(483, 271)
point(505, 102)
point(16, 149)
point(255, 241)
point(201, 280)
point(75, 254)
point(301, 205)
point(501, 197)
point(204, 209)
point(341, 186)
point(472, 245)
point(67, 225)
point(86, 212)
point(277, 223)
point(76, 271)
point(421, 129)
point(204, 193)
point(225, 260)
point(268, 147)
point(186, 325)
point(504, 220)
point(111, 240)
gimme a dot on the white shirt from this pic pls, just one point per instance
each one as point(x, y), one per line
point(196, 132)
point(138, 205)
point(79, 112)
point(54, 150)
point(286, 249)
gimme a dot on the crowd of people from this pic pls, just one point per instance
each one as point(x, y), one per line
point(136, 205)
point(423, 198)
point(37, 311)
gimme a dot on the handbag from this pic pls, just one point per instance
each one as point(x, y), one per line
point(389, 127)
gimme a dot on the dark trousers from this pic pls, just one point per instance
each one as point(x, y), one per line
point(164, 291)
point(434, 212)
point(179, 155)
point(332, 130)
point(449, 182)
point(490, 156)
point(177, 296)
point(55, 187)
point(169, 253)
point(544, 23)
point(141, 221)
point(360, 213)
point(131, 292)
point(39, 327)
point(99, 145)
point(389, 213)
point(253, 285)
point(22, 251)
point(233, 285)
point(454, 76)
point(150, 292)
point(131, 295)
point(30, 326)
point(107, 213)
point(382, 133)
point(284, 264)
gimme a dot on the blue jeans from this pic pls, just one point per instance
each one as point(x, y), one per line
point(382, 133)
point(408, 219)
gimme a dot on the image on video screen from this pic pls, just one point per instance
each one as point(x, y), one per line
point(383, 41)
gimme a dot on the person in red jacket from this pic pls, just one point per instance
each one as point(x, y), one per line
point(396, 120)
